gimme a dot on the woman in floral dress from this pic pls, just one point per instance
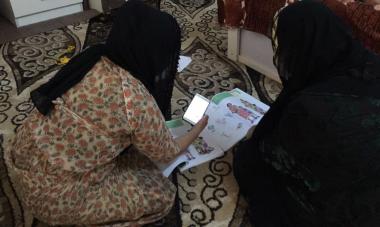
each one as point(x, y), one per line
point(68, 155)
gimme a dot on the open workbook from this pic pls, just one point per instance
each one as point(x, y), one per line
point(232, 116)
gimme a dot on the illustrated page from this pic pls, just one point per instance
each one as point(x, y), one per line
point(197, 153)
point(231, 115)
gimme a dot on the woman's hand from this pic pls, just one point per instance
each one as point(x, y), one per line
point(185, 140)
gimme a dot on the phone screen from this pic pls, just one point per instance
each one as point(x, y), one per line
point(196, 109)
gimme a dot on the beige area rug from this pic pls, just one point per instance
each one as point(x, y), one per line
point(208, 194)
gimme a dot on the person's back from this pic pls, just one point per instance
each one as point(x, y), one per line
point(69, 163)
point(331, 133)
point(313, 159)
point(87, 153)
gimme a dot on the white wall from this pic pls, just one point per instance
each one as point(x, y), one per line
point(25, 12)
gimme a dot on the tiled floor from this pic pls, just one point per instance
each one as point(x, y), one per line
point(9, 32)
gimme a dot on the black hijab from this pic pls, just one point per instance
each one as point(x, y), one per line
point(143, 40)
point(311, 45)
point(316, 52)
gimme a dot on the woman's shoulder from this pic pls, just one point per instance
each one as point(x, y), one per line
point(339, 100)
point(324, 117)
point(107, 64)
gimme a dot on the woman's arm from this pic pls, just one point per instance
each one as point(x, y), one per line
point(187, 139)
point(147, 124)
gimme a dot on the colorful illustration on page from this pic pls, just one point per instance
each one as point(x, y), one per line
point(242, 112)
point(202, 147)
point(189, 156)
point(252, 106)
point(221, 121)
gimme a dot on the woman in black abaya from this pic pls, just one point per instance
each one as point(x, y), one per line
point(314, 158)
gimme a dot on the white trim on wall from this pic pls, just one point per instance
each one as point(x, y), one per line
point(47, 15)
point(28, 7)
point(253, 50)
point(96, 4)
point(233, 36)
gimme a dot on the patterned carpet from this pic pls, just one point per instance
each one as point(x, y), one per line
point(208, 194)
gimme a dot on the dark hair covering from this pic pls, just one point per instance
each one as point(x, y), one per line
point(316, 53)
point(311, 45)
point(143, 40)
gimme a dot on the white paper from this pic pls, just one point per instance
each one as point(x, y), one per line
point(232, 115)
point(226, 128)
point(197, 153)
point(184, 61)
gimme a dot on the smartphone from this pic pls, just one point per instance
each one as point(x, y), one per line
point(196, 109)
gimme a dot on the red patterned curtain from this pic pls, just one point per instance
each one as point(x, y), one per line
point(254, 15)
point(257, 16)
point(363, 19)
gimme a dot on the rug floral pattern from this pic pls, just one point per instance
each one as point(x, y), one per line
point(207, 194)
point(33, 57)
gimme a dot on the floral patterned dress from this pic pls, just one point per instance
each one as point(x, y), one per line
point(70, 165)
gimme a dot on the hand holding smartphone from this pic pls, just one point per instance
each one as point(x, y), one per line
point(196, 109)
point(195, 116)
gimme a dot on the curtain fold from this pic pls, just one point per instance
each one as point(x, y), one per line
point(257, 16)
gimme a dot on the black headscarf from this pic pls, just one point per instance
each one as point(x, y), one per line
point(311, 45)
point(315, 50)
point(143, 40)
